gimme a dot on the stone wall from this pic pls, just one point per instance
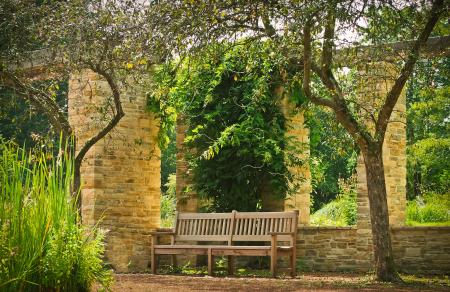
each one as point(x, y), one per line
point(327, 249)
point(424, 250)
point(121, 173)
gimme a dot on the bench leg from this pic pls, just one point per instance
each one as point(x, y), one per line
point(174, 260)
point(273, 264)
point(294, 262)
point(273, 256)
point(210, 262)
point(230, 265)
point(293, 265)
point(153, 261)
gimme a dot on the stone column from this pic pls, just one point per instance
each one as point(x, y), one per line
point(121, 173)
point(364, 250)
point(297, 131)
point(380, 78)
point(186, 200)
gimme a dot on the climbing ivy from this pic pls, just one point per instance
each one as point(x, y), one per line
point(236, 132)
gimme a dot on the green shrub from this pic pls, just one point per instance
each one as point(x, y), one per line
point(429, 208)
point(43, 244)
point(168, 202)
point(343, 210)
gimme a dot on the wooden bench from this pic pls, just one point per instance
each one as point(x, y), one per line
point(222, 230)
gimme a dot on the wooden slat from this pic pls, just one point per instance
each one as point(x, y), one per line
point(194, 230)
point(175, 224)
point(262, 226)
point(260, 237)
point(241, 225)
point(201, 238)
point(230, 240)
point(224, 226)
point(185, 226)
point(204, 215)
point(185, 229)
point(180, 226)
point(197, 251)
point(264, 214)
point(240, 252)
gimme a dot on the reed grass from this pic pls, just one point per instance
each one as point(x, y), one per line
point(43, 245)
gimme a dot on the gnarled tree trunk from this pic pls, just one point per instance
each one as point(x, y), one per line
point(379, 214)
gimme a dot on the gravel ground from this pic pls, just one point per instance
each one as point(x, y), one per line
point(304, 282)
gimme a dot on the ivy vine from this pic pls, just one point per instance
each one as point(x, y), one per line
point(236, 132)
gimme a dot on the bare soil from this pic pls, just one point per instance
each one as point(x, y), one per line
point(304, 282)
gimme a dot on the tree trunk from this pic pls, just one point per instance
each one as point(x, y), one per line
point(379, 215)
point(76, 188)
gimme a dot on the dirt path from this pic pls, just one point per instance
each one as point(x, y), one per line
point(306, 282)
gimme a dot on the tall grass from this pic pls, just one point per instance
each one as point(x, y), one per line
point(43, 245)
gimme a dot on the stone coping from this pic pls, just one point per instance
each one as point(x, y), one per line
point(327, 228)
point(420, 228)
point(393, 228)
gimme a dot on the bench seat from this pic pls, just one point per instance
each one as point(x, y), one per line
point(219, 250)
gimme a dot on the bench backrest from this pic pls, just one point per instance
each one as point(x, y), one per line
point(234, 226)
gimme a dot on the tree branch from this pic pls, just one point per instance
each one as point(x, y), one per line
point(41, 100)
point(307, 58)
point(343, 114)
point(327, 47)
point(268, 27)
point(119, 113)
point(394, 93)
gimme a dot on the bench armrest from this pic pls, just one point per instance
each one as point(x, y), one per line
point(274, 237)
point(156, 234)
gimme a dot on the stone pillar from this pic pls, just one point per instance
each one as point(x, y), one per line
point(380, 79)
point(186, 200)
point(297, 131)
point(394, 160)
point(121, 173)
point(364, 250)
